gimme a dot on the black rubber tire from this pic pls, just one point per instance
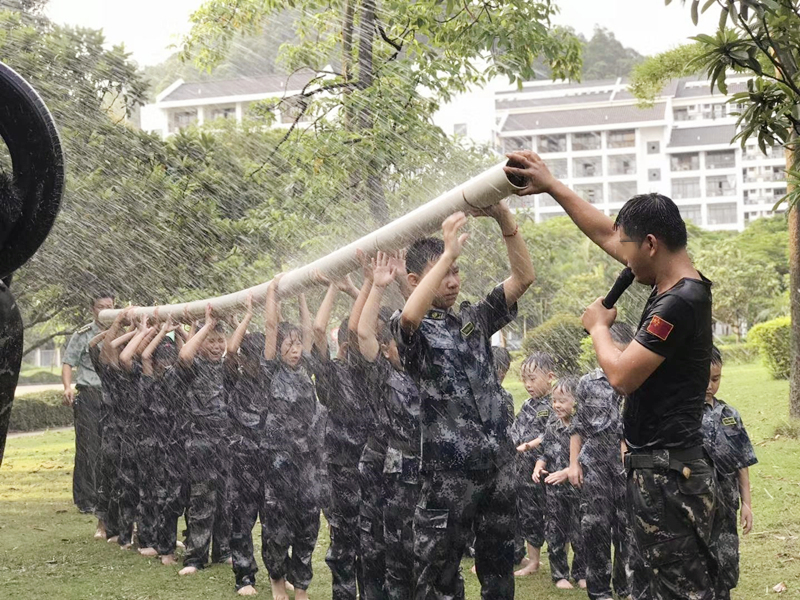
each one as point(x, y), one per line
point(29, 132)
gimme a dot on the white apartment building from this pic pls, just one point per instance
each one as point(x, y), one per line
point(592, 134)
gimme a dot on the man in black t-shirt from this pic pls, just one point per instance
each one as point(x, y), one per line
point(670, 481)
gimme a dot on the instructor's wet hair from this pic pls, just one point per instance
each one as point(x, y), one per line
point(716, 356)
point(622, 333)
point(502, 358)
point(422, 252)
point(656, 215)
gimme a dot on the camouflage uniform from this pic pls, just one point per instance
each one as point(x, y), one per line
point(670, 480)
point(338, 390)
point(529, 425)
point(727, 443)
point(208, 462)
point(603, 515)
point(563, 523)
point(401, 429)
point(128, 468)
point(467, 456)
point(88, 424)
point(291, 514)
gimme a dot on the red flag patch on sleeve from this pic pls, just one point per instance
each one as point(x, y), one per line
point(660, 328)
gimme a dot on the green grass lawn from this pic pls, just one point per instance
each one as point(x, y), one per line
point(47, 550)
point(39, 375)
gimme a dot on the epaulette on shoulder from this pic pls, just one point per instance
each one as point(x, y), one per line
point(84, 329)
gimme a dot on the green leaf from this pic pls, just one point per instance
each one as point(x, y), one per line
point(695, 7)
point(707, 5)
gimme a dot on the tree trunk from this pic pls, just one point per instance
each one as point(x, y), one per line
point(794, 291)
point(374, 187)
point(347, 71)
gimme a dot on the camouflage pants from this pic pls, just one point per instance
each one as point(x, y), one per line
point(209, 510)
point(531, 507)
point(726, 535)
point(343, 555)
point(172, 494)
point(398, 528)
point(604, 521)
point(150, 501)
point(451, 504)
point(564, 527)
point(672, 518)
point(108, 488)
point(371, 539)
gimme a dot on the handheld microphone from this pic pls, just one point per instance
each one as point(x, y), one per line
point(623, 282)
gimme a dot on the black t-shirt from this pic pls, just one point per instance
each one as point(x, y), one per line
point(667, 409)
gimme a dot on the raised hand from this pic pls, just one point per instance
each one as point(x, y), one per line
point(528, 165)
point(384, 272)
point(453, 241)
point(211, 319)
point(366, 263)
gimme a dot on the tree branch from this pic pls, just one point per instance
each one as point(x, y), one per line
point(43, 341)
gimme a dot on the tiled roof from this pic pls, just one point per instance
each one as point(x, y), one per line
point(702, 136)
point(587, 117)
point(246, 86)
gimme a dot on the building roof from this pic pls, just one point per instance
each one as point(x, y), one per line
point(245, 86)
point(702, 136)
point(585, 117)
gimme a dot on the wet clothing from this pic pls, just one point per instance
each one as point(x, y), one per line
point(727, 443)
point(603, 515)
point(563, 522)
point(87, 415)
point(670, 481)
point(529, 425)
point(207, 454)
point(467, 467)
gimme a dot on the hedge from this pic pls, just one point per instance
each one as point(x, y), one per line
point(773, 340)
point(560, 336)
point(44, 410)
point(739, 353)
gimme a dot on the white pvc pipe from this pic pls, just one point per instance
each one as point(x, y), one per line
point(484, 190)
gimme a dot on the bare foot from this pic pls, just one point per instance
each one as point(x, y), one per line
point(279, 589)
point(113, 539)
point(168, 559)
point(229, 561)
point(148, 552)
point(563, 584)
point(582, 584)
point(290, 588)
point(187, 571)
point(525, 560)
point(180, 544)
point(474, 569)
point(247, 590)
point(300, 594)
point(529, 569)
point(126, 546)
point(100, 533)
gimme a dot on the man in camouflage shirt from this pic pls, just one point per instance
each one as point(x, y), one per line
point(467, 456)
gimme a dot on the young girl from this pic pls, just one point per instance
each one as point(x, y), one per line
point(562, 525)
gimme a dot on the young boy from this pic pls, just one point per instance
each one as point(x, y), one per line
point(467, 456)
point(399, 398)
point(596, 467)
point(341, 392)
point(726, 441)
point(538, 374)
point(200, 373)
point(563, 524)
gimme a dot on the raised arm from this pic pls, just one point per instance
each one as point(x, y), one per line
point(189, 351)
point(241, 329)
point(323, 318)
point(361, 299)
point(147, 354)
point(422, 297)
point(595, 224)
point(271, 320)
point(384, 272)
point(109, 353)
point(398, 261)
point(132, 349)
point(305, 323)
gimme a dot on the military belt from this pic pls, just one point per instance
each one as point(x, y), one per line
point(664, 459)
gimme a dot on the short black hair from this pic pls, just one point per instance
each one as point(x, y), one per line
point(656, 215)
point(99, 295)
point(342, 334)
point(568, 384)
point(253, 345)
point(622, 333)
point(502, 358)
point(218, 328)
point(286, 330)
point(422, 252)
point(540, 360)
point(716, 356)
point(166, 351)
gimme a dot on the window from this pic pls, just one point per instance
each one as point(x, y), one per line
point(224, 113)
point(590, 166)
point(722, 214)
point(622, 139)
point(558, 167)
point(552, 143)
point(653, 147)
point(713, 111)
point(685, 162)
point(546, 200)
point(460, 129)
point(622, 164)
point(691, 213)
point(725, 159)
point(721, 185)
point(681, 114)
point(185, 118)
point(513, 144)
point(591, 192)
point(778, 193)
point(686, 188)
point(621, 191)
point(586, 141)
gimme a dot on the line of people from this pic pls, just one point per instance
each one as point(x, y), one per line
point(404, 439)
